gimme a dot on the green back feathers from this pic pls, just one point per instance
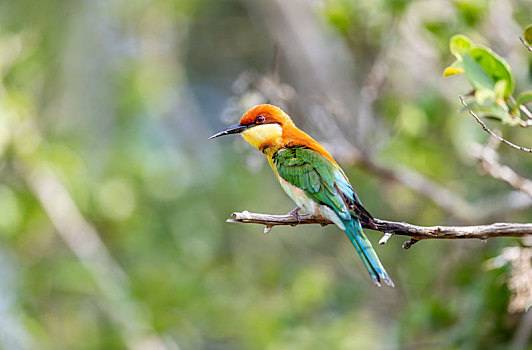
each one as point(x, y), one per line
point(324, 182)
point(313, 173)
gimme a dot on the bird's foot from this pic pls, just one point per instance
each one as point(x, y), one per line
point(296, 215)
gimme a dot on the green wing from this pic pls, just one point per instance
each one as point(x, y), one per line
point(325, 183)
point(315, 174)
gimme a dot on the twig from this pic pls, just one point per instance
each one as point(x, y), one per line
point(529, 48)
point(416, 233)
point(488, 130)
point(385, 238)
point(525, 111)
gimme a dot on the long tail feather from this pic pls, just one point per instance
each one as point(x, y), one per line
point(362, 245)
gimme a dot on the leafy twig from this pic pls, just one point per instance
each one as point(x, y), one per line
point(488, 130)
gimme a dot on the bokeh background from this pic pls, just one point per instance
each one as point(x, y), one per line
point(113, 202)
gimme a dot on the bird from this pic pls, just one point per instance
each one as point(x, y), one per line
point(310, 177)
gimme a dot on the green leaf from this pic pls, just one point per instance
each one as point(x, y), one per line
point(524, 98)
point(494, 111)
point(483, 67)
point(499, 89)
point(528, 34)
point(495, 66)
point(485, 97)
point(476, 75)
point(459, 45)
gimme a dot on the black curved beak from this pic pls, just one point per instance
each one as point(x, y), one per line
point(233, 129)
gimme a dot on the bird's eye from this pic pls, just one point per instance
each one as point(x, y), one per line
point(260, 119)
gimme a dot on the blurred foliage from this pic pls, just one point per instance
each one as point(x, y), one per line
point(118, 99)
point(527, 34)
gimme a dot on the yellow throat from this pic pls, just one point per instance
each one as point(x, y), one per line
point(262, 136)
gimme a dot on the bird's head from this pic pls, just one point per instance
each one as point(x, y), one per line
point(261, 126)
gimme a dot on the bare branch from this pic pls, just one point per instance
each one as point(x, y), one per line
point(488, 130)
point(416, 233)
point(528, 47)
point(525, 111)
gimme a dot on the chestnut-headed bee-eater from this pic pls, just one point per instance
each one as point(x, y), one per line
point(310, 176)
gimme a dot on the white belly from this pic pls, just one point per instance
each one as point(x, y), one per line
point(308, 204)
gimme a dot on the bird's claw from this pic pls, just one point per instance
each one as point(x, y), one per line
point(296, 215)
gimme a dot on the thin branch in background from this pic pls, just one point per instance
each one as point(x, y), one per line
point(276, 63)
point(416, 233)
point(523, 123)
point(85, 242)
point(527, 45)
point(525, 111)
point(489, 163)
point(449, 201)
point(488, 130)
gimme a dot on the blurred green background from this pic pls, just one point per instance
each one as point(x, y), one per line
point(113, 202)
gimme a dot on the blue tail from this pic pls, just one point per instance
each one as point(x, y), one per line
point(378, 274)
